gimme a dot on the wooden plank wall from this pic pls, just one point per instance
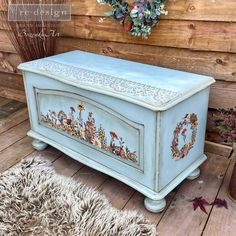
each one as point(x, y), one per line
point(198, 36)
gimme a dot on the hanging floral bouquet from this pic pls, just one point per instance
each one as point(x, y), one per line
point(137, 18)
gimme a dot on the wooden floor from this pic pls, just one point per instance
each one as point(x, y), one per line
point(178, 218)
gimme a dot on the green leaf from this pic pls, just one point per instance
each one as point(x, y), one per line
point(223, 127)
point(128, 19)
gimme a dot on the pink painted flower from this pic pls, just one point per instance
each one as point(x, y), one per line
point(114, 135)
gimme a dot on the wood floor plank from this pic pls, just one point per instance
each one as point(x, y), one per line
point(218, 149)
point(14, 134)
point(10, 108)
point(15, 153)
point(90, 177)
point(13, 94)
point(222, 221)
point(67, 166)
point(121, 196)
point(13, 120)
point(117, 192)
point(180, 217)
point(4, 101)
point(49, 153)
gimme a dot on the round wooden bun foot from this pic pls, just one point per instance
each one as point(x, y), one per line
point(194, 174)
point(39, 145)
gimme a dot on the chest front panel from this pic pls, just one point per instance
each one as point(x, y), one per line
point(112, 132)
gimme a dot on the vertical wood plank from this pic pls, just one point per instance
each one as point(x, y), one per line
point(222, 221)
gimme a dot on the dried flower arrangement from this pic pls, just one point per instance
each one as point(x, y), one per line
point(85, 129)
point(31, 39)
point(225, 121)
point(137, 18)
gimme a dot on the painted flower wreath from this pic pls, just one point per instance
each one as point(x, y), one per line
point(189, 119)
point(137, 18)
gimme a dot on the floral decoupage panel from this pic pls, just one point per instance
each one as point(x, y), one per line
point(86, 122)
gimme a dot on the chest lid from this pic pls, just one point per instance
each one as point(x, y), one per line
point(149, 86)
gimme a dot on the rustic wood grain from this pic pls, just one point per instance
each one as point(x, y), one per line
point(14, 134)
point(207, 10)
point(218, 149)
point(15, 153)
point(9, 62)
point(4, 101)
point(90, 177)
point(5, 43)
point(13, 94)
point(10, 108)
point(49, 153)
point(67, 166)
point(13, 120)
point(117, 192)
point(221, 66)
point(180, 217)
point(222, 221)
point(195, 35)
point(223, 95)
point(11, 80)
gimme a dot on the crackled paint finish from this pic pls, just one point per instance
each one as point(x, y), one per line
point(87, 131)
point(181, 129)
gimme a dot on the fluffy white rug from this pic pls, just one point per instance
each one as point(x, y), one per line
point(34, 200)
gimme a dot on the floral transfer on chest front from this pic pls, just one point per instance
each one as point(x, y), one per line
point(74, 124)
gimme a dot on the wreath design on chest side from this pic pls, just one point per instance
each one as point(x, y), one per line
point(137, 18)
point(189, 119)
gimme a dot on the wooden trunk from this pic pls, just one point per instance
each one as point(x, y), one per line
point(141, 124)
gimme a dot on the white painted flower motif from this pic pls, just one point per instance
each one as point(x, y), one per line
point(134, 12)
point(162, 11)
point(96, 142)
point(82, 133)
point(147, 94)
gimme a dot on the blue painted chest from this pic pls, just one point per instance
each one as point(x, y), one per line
point(141, 124)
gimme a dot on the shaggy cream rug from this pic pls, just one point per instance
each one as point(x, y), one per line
point(34, 200)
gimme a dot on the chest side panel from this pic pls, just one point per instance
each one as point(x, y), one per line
point(182, 136)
